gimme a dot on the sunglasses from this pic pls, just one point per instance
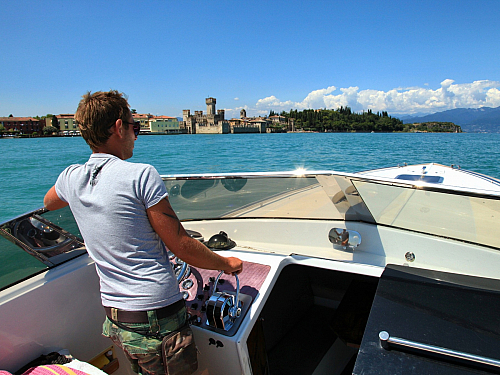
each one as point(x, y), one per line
point(136, 125)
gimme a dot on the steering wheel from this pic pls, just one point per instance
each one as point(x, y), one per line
point(181, 269)
point(182, 272)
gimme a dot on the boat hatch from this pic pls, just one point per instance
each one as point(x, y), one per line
point(414, 177)
point(429, 322)
point(35, 242)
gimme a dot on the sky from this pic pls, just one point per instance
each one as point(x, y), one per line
point(403, 57)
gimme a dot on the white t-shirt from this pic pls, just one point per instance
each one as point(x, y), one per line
point(109, 197)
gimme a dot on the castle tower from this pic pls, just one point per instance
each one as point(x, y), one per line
point(185, 114)
point(243, 113)
point(210, 106)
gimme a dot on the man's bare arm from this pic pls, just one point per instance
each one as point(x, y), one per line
point(51, 201)
point(167, 225)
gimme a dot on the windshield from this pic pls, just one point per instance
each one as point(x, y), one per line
point(460, 215)
point(271, 197)
point(472, 218)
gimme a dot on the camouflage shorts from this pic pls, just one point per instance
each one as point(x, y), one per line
point(144, 353)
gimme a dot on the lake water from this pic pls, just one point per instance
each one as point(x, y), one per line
point(30, 167)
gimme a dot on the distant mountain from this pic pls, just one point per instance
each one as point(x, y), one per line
point(484, 119)
point(409, 117)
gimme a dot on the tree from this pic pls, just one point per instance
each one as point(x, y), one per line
point(48, 130)
point(344, 120)
point(55, 123)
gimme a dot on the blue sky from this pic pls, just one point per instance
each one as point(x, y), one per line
point(398, 56)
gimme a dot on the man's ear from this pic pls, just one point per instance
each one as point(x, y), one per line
point(118, 128)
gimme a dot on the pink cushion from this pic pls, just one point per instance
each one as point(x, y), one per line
point(53, 370)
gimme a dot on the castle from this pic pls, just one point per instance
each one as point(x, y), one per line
point(211, 123)
point(215, 123)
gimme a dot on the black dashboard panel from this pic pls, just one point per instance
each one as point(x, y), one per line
point(451, 311)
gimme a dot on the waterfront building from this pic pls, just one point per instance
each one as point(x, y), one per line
point(67, 124)
point(144, 120)
point(278, 120)
point(260, 124)
point(248, 125)
point(287, 124)
point(236, 122)
point(164, 124)
point(211, 123)
point(22, 125)
point(151, 124)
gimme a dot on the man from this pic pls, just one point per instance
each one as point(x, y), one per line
point(125, 218)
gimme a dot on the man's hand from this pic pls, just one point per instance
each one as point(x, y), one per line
point(236, 266)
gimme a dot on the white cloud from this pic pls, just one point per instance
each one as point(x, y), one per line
point(493, 96)
point(318, 98)
point(409, 100)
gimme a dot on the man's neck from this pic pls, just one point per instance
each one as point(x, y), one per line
point(110, 147)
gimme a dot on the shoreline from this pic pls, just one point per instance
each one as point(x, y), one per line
point(291, 132)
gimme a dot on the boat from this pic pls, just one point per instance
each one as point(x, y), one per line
point(362, 273)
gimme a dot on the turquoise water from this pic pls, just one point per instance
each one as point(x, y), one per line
point(30, 167)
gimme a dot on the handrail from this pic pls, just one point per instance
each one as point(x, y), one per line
point(386, 341)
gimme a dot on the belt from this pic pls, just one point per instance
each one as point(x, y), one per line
point(125, 316)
